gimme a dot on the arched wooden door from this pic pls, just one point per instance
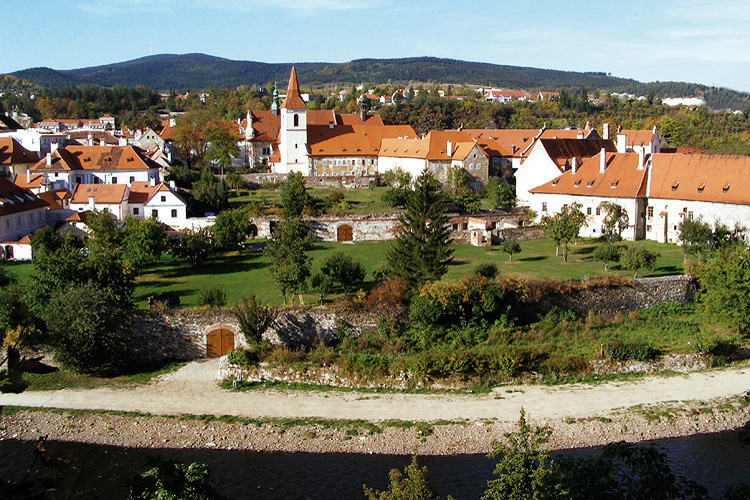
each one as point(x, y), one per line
point(218, 342)
point(344, 233)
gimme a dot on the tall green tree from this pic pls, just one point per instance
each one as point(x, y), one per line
point(500, 193)
point(616, 219)
point(412, 484)
point(222, 139)
point(290, 263)
point(189, 137)
point(421, 251)
point(295, 199)
point(343, 270)
point(195, 246)
point(636, 258)
point(458, 188)
point(143, 241)
point(231, 228)
point(724, 291)
point(695, 236)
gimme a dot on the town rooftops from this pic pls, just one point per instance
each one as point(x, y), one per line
point(72, 158)
point(433, 147)
point(14, 199)
point(12, 153)
point(562, 151)
point(622, 178)
point(104, 194)
point(352, 140)
point(701, 177)
point(143, 192)
point(56, 198)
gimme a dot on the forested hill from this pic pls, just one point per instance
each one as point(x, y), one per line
point(201, 72)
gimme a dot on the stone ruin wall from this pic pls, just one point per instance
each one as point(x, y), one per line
point(158, 335)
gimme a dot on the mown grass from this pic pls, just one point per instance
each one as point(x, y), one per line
point(369, 200)
point(63, 379)
point(242, 274)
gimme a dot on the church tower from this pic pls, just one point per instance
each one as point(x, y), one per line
point(293, 131)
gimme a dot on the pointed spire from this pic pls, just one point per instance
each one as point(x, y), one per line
point(293, 99)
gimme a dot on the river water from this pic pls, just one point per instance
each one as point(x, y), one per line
point(713, 460)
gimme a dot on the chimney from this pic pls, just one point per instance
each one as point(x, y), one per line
point(123, 142)
point(102, 143)
point(49, 159)
point(622, 143)
point(574, 164)
point(641, 159)
point(172, 185)
point(449, 148)
point(513, 149)
point(28, 176)
point(89, 140)
point(580, 135)
point(602, 160)
point(152, 181)
point(53, 146)
point(92, 203)
point(172, 122)
point(605, 131)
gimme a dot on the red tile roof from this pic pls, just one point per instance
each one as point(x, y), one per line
point(563, 150)
point(102, 193)
point(701, 177)
point(352, 140)
point(96, 158)
point(14, 199)
point(12, 153)
point(621, 178)
point(293, 99)
point(35, 181)
point(55, 198)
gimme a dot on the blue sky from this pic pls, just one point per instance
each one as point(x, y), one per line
point(690, 40)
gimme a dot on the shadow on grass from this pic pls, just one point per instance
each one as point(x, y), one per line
point(531, 259)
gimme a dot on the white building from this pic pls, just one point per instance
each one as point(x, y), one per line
point(21, 213)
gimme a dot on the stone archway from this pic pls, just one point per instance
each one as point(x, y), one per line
point(219, 340)
point(344, 232)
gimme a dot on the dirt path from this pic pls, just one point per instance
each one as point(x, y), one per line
point(193, 390)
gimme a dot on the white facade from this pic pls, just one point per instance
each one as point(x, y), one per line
point(537, 169)
point(39, 141)
point(663, 216)
point(293, 140)
point(18, 225)
point(119, 210)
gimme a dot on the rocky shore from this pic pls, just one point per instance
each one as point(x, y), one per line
point(395, 438)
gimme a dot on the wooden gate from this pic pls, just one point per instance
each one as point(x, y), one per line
point(218, 342)
point(344, 233)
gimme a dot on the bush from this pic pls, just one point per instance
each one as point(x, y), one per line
point(213, 297)
point(254, 318)
point(486, 269)
point(717, 345)
point(244, 357)
point(624, 351)
point(472, 299)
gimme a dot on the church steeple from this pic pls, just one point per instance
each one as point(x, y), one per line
point(275, 101)
point(293, 99)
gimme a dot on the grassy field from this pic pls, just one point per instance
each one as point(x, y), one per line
point(357, 200)
point(241, 275)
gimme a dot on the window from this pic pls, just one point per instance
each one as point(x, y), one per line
point(690, 215)
point(136, 211)
point(155, 214)
point(598, 211)
point(650, 211)
point(114, 180)
point(163, 199)
point(648, 228)
point(296, 122)
point(132, 178)
point(588, 211)
point(465, 226)
point(544, 206)
point(174, 213)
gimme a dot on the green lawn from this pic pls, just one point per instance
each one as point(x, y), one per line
point(357, 200)
point(241, 275)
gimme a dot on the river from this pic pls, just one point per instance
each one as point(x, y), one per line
point(713, 460)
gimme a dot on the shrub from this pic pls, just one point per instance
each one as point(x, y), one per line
point(244, 357)
point(473, 298)
point(486, 269)
point(717, 345)
point(212, 297)
point(254, 318)
point(624, 351)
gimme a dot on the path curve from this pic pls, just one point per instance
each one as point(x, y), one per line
point(193, 390)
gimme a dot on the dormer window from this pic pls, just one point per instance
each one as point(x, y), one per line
point(589, 184)
point(554, 183)
point(726, 187)
point(701, 187)
point(614, 184)
point(675, 185)
point(577, 183)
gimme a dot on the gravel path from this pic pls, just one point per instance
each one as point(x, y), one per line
point(193, 390)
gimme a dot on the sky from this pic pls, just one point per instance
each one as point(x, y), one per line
point(698, 41)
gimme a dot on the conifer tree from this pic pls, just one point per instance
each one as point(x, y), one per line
point(422, 251)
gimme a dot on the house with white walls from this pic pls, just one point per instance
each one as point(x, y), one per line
point(607, 177)
point(110, 197)
point(69, 166)
point(21, 213)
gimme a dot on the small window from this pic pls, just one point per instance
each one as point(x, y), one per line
point(296, 121)
point(588, 211)
point(132, 179)
point(114, 180)
point(465, 226)
point(690, 215)
point(174, 213)
point(598, 211)
point(590, 183)
point(136, 211)
point(650, 211)
point(648, 228)
point(155, 214)
point(163, 199)
point(544, 206)
point(455, 227)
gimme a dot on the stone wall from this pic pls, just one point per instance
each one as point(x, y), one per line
point(608, 300)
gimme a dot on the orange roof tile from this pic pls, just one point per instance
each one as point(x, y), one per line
point(102, 193)
point(563, 150)
point(55, 198)
point(701, 177)
point(12, 153)
point(637, 137)
point(96, 158)
point(621, 179)
point(352, 140)
point(14, 199)
point(293, 99)
point(35, 181)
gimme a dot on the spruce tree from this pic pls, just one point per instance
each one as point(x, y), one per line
point(422, 252)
